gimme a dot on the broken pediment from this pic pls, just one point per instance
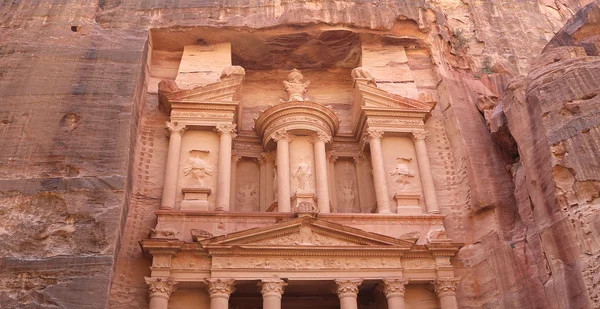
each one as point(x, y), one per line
point(306, 231)
point(369, 96)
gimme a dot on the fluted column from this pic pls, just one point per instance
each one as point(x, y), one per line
point(331, 158)
point(235, 158)
point(270, 168)
point(226, 132)
point(393, 289)
point(425, 172)
point(170, 186)
point(283, 171)
point(347, 291)
point(445, 288)
point(319, 141)
point(219, 291)
point(159, 290)
point(272, 290)
point(381, 189)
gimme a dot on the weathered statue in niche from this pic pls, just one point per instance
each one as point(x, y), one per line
point(247, 198)
point(198, 170)
point(275, 184)
point(348, 196)
point(304, 176)
point(295, 87)
point(403, 173)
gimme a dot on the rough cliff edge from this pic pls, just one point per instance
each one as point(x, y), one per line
point(525, 197)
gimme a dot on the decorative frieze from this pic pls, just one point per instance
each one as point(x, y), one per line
point(306, 263)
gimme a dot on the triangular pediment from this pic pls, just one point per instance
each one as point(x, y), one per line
point(306, 232)
point(224, 91)
point(372, 97)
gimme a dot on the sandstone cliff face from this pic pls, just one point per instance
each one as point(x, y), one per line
point(80, 178)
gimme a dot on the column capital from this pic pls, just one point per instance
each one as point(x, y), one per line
point(445, 286)
point(175, 127)
point(220, 287)
point(268, 156)
point(347, 287)
point(225, 128)
point(272, 287)
point(359, 158)
point(280, 135)
point(371, 134)
point(235, 158)
point(160, 287)
point(331, 156)
point(420, 136)
point(394, 287)
point(320, 137)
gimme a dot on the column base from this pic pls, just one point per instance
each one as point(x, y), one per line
point(195, 199)
point(304, 203)
point(408, 203)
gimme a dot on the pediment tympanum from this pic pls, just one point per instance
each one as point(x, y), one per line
point(307, 233)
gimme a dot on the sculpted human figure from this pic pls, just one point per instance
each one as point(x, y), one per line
point(247, 198)
point(303, 174)
point(402, 172)
point(295, 87)
point(348, 197)
point(198, 169)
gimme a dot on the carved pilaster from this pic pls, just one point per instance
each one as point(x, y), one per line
point(220, 288)
point(347, 287)
point(175, 127)
point(445, 286)
point(272, 287)
point(394, 287)
point(160, 287)
point(420, 135)
point(280, 135)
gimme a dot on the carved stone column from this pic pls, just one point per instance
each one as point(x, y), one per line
point(445, 288)
point(381, 189)
point(319, 141)
point(226, 132)
point(283, 171)
point(159, 290)
point(347, 291)
point(271, 290)
point(219, 291)
point(235, 158)
point(170, 186)
point(425, 172)
point(393, 289)
point(331, 158)
point(262, 180)
point(269, 177)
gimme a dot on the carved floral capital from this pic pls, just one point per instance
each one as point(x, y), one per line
point(373, 134)
point(359, 158)
point(272, 287)
point(235, 158)
point(445, 286)
point(420, 135)
point(268, 156)
point(225, 128)
point(394, 287)
point(280, 135)
point(320, 137)
point(331, 156)
point(347, 287)
point(220, 287)
point(160, 287)
point(175, 127)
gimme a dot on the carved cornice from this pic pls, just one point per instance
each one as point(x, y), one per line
point(160, 287)
point(347, 287)
point(393, 287)
point(225, 128)
point(175, 127)
point(220, 287)
point(445, 286)
point(420, 135)
point(272, 287)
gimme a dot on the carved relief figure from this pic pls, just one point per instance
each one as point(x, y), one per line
point(305, 236)
point(403, 173)
point(362, 73)
point(247, 198)
point(275, 188)
point(198, 169)
point(348, 196)
point(295, 87)
point(304, 176)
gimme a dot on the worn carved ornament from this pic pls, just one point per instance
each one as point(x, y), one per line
point(220, 287)
point(445, 286)
point(164, 286)
point(280, 135)
point(347, 287)
point(320, 137)
point(373, 134)
point(394, 287)
point(225, 128)
point(420, 135)
point(272, 287)
point(295, 86)
point(362, 73)
point(175, 127)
